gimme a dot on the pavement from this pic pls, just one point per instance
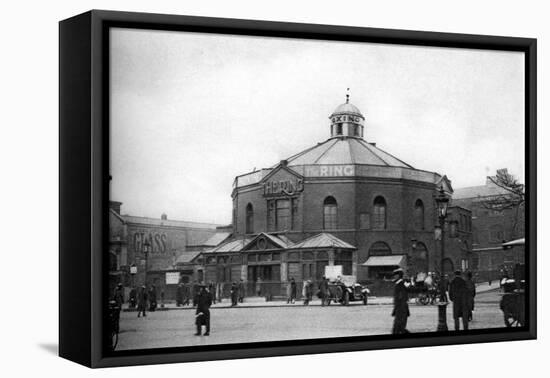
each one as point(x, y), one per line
point(260, 302)
point(259, 323)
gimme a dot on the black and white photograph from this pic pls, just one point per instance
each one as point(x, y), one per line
point(275, 189)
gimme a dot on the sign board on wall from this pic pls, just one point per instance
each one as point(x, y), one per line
point(172, 278)
point(332, 272)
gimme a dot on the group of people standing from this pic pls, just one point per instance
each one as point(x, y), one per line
point(461, 293)
point(145, 299)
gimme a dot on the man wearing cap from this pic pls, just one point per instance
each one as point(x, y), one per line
point(458, 293)
point(400, 311)
point(204, 301)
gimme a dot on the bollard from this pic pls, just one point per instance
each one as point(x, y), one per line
point(442, 317)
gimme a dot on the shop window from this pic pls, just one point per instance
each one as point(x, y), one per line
point(294, 256)
point(322, 255)
point(379, 249)
point(379, 213)
point(252, 257)
point(419, 215)
point(330, 214)
point(249, 219)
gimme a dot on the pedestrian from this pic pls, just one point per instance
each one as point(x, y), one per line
point(152, 298)
point(234, 294)
point(212, 291)
point(259, 286)
point(471, 293)
point(179, 295)
point(186, 294)
point(142, 301)
point(241, 291)
point(202, 314)
point(288, 292)
point(195, 292)
point(118, 295)
point(459, 296)
point(292, 290)
point(323, 290)
point(304, 292)
point(309, 291)
point(400, 311)
point(133, 298)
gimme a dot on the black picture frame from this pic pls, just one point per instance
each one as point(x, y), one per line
point(84, 180)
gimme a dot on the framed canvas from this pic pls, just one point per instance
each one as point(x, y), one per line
point(235, 188)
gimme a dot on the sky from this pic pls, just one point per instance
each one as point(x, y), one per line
point(191, 111)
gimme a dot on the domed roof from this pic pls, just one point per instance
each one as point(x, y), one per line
point(346, 151)
point(347, 108)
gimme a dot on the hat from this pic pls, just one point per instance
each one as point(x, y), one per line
point(458, 272)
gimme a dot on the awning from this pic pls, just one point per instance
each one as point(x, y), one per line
point(393, 260)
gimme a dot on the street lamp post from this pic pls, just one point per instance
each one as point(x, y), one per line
point(146, 250)
point(411, 259)
point(442, 201)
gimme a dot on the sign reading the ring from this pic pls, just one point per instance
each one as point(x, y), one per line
point(286, 187)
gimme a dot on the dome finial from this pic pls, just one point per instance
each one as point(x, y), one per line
point(347, 96)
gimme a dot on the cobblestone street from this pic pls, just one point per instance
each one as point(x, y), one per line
point(237, 325)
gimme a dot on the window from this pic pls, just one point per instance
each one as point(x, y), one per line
point(419, 215)
point(283, 215)
point(330, 214)
point(345, 259)
point(379, 249)
point(339, 129)
point(379, 213)
point(249, 219)
point(496, 233)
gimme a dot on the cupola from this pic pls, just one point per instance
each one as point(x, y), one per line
point(347, 121)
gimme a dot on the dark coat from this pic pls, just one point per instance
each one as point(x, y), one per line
point(204, 301)
point(400, 300)
point(293, 289)
point(241, 290)
point(323, 287)
point(142, 297)
point(153, 295)
point(459, 295)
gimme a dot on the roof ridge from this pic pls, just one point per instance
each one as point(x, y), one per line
point(325, 151)
point(368, 147)
point(396, 158)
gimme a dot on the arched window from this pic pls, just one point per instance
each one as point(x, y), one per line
point(249, 219)
point(379, 249)
point(379, 213)
point(330, 214)
point(419, 215)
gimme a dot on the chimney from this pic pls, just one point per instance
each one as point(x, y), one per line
point(115, 206)
point(164, 216)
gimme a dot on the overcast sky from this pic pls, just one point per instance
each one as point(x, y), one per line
point(189, 112)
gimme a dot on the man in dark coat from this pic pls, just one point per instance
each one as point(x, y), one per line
point(152, 298)
point(459, 295)
point(241, 291)
point(186, 294)
point(234, 294)
point(323, 290)
point(471, 293)
point(204, 301)
point(142, 301)
point(292, 290)
point(400, 311)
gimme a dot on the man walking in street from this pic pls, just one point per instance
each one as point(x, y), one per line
point(470, 294)
point(241, 291)
point(400, 311)
point(142, 301)
point(459, 296)
point(234, 294)
point(292, 290)
point(202, 317)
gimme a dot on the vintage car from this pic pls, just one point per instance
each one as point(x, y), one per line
point(341, 292)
